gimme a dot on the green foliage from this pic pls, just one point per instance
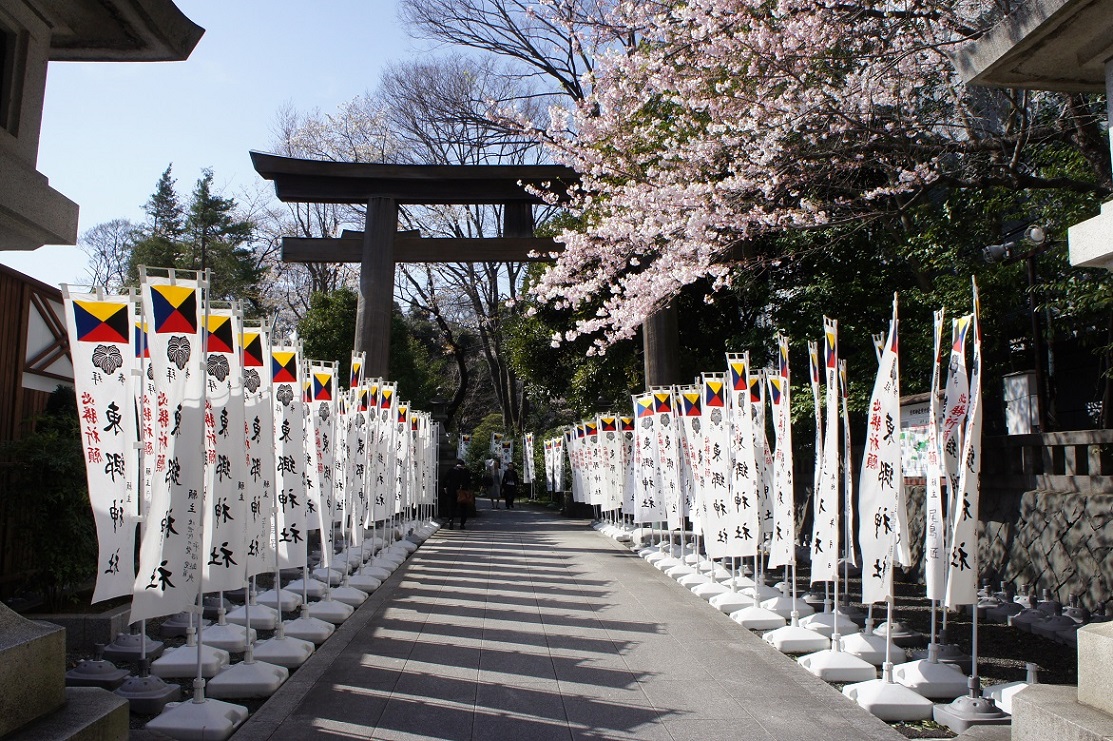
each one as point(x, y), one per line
point(328, 333)
point(417, 361)
point(47, 469)
point(566, 375)
point(209, 233)
point(328, 328)
point(479, 449)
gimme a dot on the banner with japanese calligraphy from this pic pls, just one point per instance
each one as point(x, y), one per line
point(650, 504)
point(847, 470)
point(462, 444)
point(813, 374)
point(154, 417)
point(105, 376)
point(610, 451)
point(690, 453)
point(668, 457)
point(956, 404)
point(427, 436)
point(741, 512)
point(558, 464)
point(527, 459)
point(495, 446)
point(629, 479)
point(291, 508)
point(935, 547)
point(878, 486)
point(321, 448)
point(169, 575)
point(402, 440)
point(763, 453)
point(225, 546)
point(576, 435)
point(962, 574)
point(782, 549)
point(384, 474)
point(357, 477)
point(825, 524)
point(595, 464)
point(258, 448)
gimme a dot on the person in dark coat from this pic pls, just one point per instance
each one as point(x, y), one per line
point(458, 478)
point(510, 485)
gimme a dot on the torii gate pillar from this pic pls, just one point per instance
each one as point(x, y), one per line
point(661, 347)
point(376, 286)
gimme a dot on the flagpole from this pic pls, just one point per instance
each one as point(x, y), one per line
point(199, 680)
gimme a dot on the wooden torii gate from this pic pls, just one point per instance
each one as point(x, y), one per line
point(382, 188)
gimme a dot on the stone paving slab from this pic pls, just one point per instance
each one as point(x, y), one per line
point(528, 626)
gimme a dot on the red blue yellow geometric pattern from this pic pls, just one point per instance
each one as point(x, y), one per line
point(101, 321)
point(284, 366)
point(175, 309)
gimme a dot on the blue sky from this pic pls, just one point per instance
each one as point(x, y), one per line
point(109, 130)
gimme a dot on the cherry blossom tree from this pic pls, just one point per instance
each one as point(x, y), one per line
point(733, 120)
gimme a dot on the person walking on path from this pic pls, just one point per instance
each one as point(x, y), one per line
point(492, 479)
point(457, 481)
point(510, 485)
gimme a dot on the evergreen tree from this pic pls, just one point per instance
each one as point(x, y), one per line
point(218, 240)
point(209, 234)
point(164, 211)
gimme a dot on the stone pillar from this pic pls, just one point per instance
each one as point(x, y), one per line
point(376, 287)
point(661, 347)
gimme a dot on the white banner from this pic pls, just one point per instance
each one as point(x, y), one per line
point(782, 549)
point(743, 512)
point(956, 403)
point(962, 576)
point(668, 458)
point(879, 485)
point(825, 527)
point(848, 528)
point(689, 430)
point(935, 544)
point(105, 377)
point(259, 449)
point(225, 544)
point(169, 574)
point(650, 503)
point(291, 508)
point(629, 476)
point(321, 445)
point(527, 459)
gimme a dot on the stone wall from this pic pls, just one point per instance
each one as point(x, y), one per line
point(1057, 541)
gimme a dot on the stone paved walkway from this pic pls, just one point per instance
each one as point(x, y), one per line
point(527, 626)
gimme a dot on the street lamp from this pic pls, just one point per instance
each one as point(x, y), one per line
point(1033, 243)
